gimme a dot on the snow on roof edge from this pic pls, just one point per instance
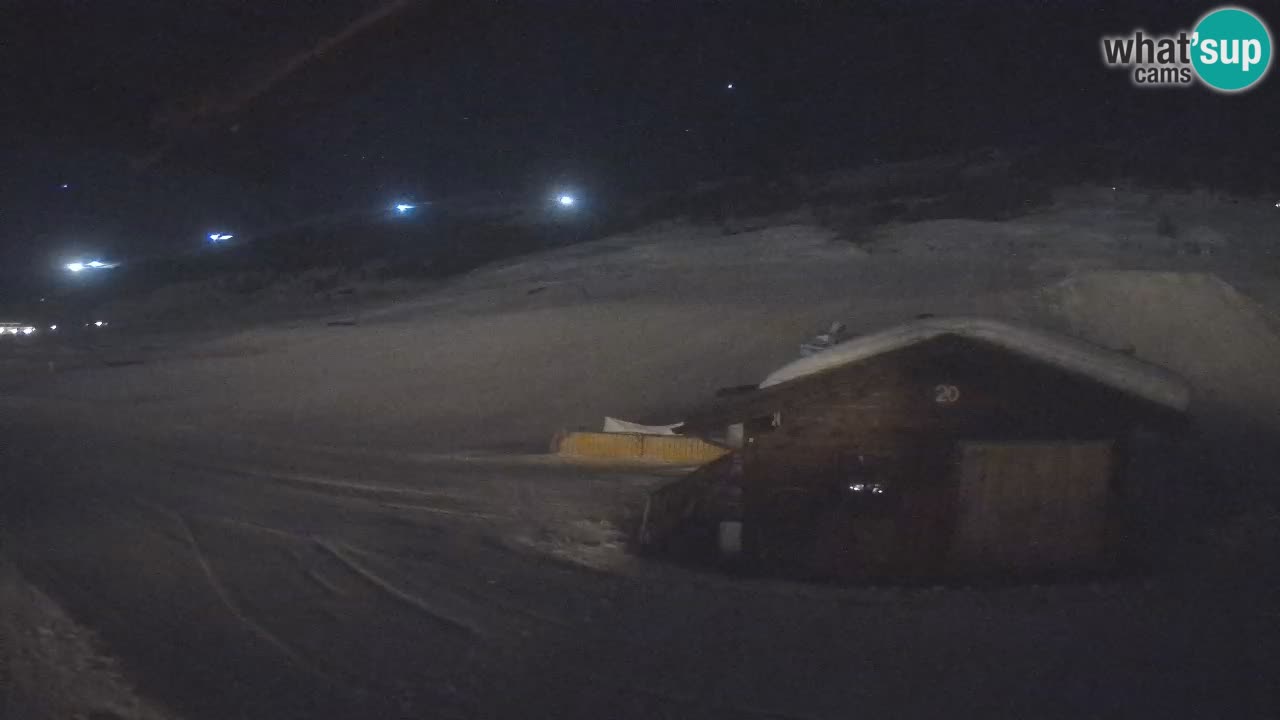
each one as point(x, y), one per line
point(1107, 367)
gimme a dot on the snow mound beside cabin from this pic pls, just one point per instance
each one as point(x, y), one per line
point(1192, 323)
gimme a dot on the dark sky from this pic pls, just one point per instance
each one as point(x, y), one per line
point(444, 98)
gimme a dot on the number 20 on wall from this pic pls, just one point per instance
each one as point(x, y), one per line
point(946, 394)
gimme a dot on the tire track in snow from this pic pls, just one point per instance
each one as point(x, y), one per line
point(224, 596)
point(444, 617)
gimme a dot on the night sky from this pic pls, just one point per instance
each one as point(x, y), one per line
point(438, 99)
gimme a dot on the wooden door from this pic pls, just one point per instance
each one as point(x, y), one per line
point(1026, 507)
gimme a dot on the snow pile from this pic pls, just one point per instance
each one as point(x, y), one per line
point(53, 667)
point(1192, 323)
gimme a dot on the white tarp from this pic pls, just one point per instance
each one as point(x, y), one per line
point(614, 425)
point(1104, 366)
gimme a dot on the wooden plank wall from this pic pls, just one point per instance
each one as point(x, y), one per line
point(670, 508)
point(1031, 507)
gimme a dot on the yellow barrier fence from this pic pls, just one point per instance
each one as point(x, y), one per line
point(666, 449)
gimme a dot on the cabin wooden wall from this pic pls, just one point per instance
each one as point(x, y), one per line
point(898, 420)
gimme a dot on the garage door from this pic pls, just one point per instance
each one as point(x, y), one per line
point(1031, 507)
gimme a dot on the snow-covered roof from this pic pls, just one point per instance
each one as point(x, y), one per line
point(1104, 366)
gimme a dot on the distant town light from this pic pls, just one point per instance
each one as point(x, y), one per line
point(219, 237)
point(75, 266)
point(566, 200)
point(53, 327)
point(99, 323)
point(404, 208)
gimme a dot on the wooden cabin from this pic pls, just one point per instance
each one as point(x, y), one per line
point(944, 447)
